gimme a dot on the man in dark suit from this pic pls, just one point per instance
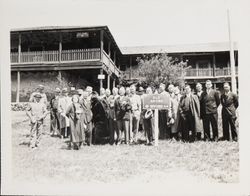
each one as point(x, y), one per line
point(87, 115)
point(189, 112)
point(229, 102)
point(210, 100)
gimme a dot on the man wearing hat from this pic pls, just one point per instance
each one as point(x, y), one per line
point(54, 115)
point(72, 91)
point(36, 111)
point(63, 104)
point(89, 89)
point(40, 89)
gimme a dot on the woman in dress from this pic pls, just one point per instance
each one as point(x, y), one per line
point(74, 113)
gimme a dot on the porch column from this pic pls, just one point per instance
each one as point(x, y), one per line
point(214, 66)
point(19, 47)
point(18, 86)
point(228, 68)
point(108, 81)
point(101, 81)
point(109, 51)
point(114, 83)
point(101, 50)
point(197, 69)
point(101, 45)
point(60, 47)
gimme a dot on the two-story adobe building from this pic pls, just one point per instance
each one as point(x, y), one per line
point(206, 61)
point(81, 56)
point(70, 55)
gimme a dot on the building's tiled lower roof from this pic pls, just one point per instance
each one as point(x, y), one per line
point(186, 48)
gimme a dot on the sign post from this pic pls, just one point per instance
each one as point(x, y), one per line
point(156, 102)
point(156, 127)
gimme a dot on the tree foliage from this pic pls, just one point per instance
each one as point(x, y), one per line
point(161, 68)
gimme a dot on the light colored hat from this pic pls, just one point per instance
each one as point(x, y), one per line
point(141, 89)
point(148, 114)
point(40, 86)
point(38, 95)
point(58, 90)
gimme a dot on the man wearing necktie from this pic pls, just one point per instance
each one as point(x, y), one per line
point(229, 102)
point(210, 100)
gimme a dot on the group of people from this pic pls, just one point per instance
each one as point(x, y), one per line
point(86, 117)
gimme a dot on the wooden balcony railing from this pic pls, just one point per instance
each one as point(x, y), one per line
point(81, 54)
point(54, 56)
point(193, 72)
point(66, 56)
point(201, 72)
point(109, 62)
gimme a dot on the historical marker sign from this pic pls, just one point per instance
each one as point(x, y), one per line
point(101, 76)
point(156, 101)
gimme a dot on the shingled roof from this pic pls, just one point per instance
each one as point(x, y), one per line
point(185, 48)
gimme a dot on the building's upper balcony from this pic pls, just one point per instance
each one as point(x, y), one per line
point(54, 48)
point(93, 54)
point(82, 56)
point(196, 73)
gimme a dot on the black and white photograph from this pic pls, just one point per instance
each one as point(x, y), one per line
point(124, 97)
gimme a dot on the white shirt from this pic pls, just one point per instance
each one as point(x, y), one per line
point(135, 102)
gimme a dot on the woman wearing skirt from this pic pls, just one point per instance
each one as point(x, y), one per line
point(74, 113)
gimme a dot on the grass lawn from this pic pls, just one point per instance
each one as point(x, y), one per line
point(197, 162)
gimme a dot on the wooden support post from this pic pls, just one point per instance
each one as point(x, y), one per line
point(101, 81)
point(18, 87)
point(130, 67)
point(101, 45)
point(19, 47)
point(108, 81)
point(60, 47)
point(156, 121)
point(214, 65)
point(109, 49)
point(197, 69)
point(114, 83)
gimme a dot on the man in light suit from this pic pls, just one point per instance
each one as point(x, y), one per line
point(164, 115)
point(209, 102)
